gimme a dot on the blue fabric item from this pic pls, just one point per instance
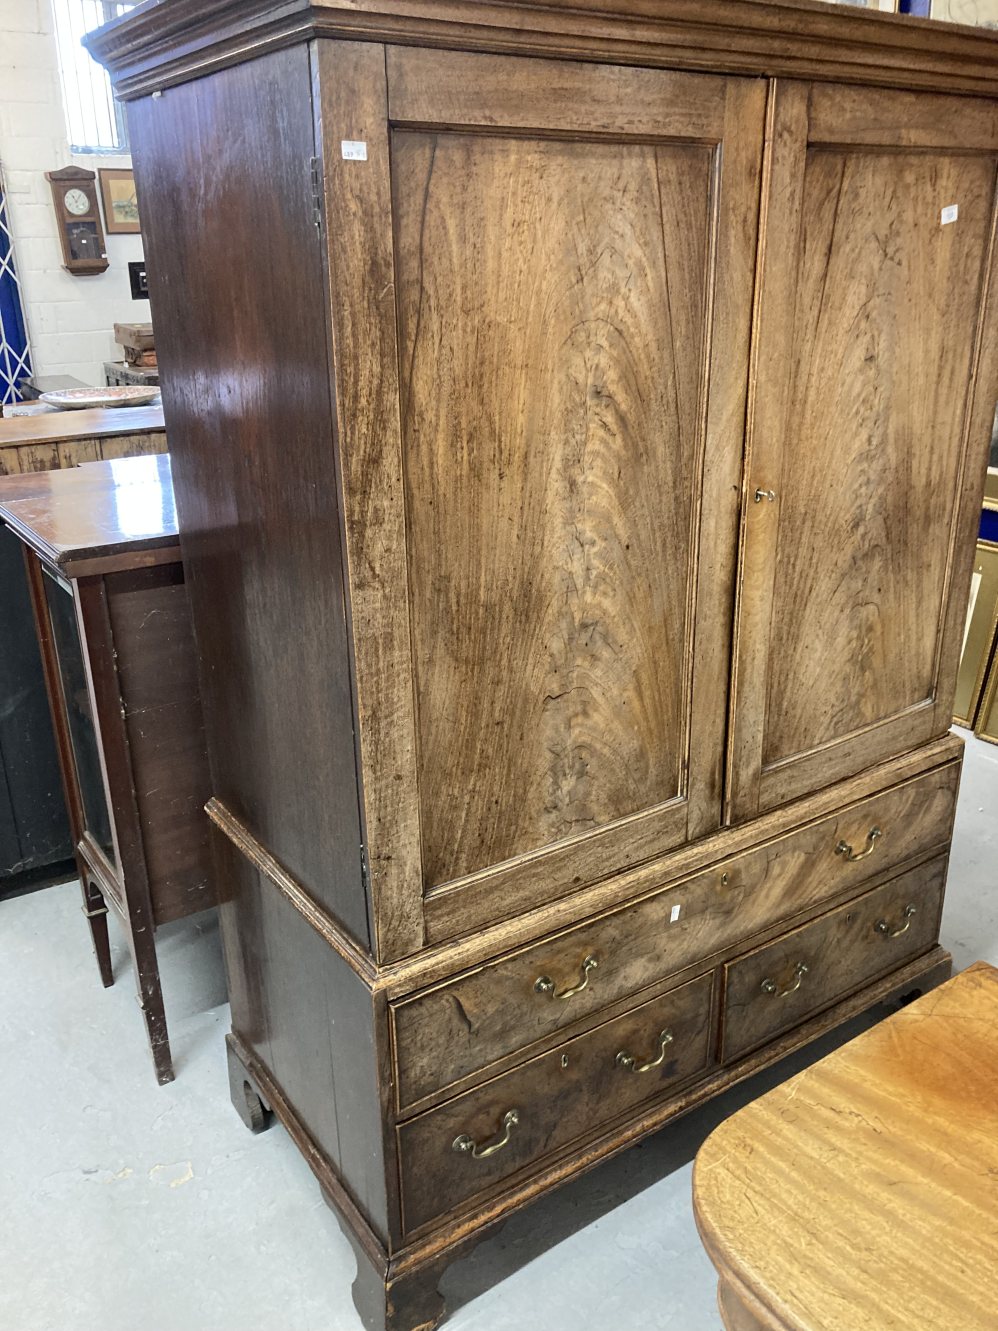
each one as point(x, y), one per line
point(920, 8)
point(989, 526)
point(15, 355)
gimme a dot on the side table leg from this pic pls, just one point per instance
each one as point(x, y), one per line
point(150, 996)
point(95, 909)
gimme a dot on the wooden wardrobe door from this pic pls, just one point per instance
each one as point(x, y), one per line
point(571, 249)
point(875, 389)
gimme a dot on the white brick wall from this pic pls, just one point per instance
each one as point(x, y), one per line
point(70, 319)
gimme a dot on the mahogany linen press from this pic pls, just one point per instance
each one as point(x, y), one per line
point(579, 418)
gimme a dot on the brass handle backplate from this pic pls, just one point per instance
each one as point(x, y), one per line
point(882, 927)
point(468, 1146)
point(628, 1061)
point(771, 987)
point(545, 985)
point(844, 848)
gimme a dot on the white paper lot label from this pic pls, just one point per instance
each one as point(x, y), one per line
point(353, 150)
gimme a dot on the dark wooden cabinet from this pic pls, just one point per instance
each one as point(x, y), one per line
point(579, 426)
point(114, 626)
point(35, 839)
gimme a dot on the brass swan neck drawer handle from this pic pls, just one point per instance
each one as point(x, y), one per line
point(844, 848)
point(882, 927)
point(545, 985)
point(468, 1146)
point(628, 1061)
point(771, 987)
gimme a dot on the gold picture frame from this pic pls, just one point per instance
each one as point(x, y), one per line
point(987, 723)
point(121, 209)
point(980, 635)
point(977, 13)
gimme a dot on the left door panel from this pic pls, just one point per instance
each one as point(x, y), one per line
point(570, 249)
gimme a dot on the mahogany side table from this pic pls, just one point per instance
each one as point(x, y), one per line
point(114, 627)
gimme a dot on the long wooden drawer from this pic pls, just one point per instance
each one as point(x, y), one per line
point(810, 968)
point(461, 1026)
point(467, 1146)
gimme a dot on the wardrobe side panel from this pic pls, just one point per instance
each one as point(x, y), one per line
point(223, 169)
point(309, 1019)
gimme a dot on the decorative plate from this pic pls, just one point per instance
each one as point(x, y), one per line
point(76, 399)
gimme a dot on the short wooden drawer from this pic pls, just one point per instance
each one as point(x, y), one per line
point(469, 1145)
point(809, 969)
point(462, 1026)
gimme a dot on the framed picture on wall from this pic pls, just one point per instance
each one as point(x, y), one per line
point(121, 209)
point(979, 13)
point(887, 6)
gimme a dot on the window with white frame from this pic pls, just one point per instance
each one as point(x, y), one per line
point(95, 122)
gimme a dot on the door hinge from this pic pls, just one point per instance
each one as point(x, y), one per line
point(365, 869)
point(316, 168)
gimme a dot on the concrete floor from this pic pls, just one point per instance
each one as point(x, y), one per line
point(125, 1205)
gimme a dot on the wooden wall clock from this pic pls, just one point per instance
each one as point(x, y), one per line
point(74, 193)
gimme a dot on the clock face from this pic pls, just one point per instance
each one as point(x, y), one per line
point(76, 202)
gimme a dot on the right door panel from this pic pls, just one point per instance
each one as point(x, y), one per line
point(866, 448)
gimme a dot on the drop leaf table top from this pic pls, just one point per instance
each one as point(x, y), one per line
point(862, 1194)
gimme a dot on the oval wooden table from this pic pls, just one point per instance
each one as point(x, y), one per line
point(862, 1194)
